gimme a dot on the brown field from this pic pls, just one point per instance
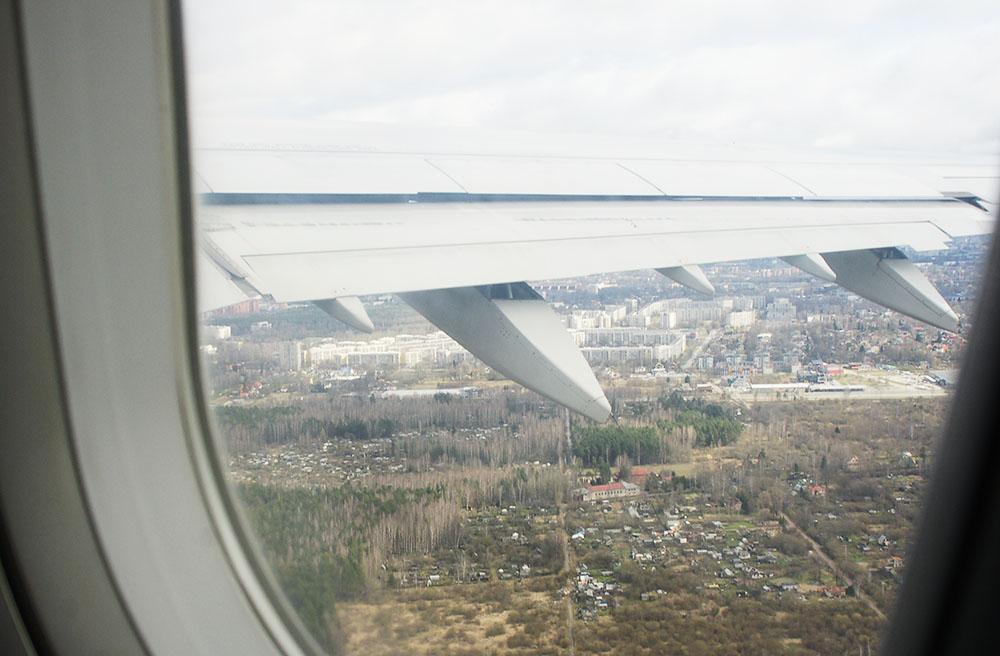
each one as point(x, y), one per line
point(497, 618)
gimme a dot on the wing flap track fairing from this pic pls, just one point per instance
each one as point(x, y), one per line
point(885, 276)
point(349, 310)
point(512, 329)
point(691, 276)
point(812, 263)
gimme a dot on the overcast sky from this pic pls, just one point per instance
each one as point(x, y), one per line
point(867, 74)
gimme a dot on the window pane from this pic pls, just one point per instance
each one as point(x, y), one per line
point(772, 443)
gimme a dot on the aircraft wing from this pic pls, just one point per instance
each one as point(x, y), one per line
point(457, 234)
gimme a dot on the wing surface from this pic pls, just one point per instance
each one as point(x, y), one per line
point(319, 222)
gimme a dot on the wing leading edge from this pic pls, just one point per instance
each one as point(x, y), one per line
point(450, 233)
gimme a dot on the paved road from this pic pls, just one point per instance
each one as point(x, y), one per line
point(701, 347)
point(826, 560)
point(869, 394)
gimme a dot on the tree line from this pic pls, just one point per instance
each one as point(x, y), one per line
point(326, 544)
point(315, 419)
point(682, 422)
point(597, 445)
point(713, 425)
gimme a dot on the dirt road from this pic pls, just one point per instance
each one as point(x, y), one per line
point(826, 560)
point(568, 599)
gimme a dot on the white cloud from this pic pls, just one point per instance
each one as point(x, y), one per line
point(876, 74)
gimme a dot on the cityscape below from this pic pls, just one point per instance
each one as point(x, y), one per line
point(755, 492)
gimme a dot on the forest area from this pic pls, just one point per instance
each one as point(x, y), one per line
point(356, 502)
point(329, 545)
point(530, 425)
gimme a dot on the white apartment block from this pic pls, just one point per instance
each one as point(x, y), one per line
point(398, 351)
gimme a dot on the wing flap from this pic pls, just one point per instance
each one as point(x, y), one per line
point(322, 252)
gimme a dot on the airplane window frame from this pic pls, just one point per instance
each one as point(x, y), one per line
point(159, 559)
